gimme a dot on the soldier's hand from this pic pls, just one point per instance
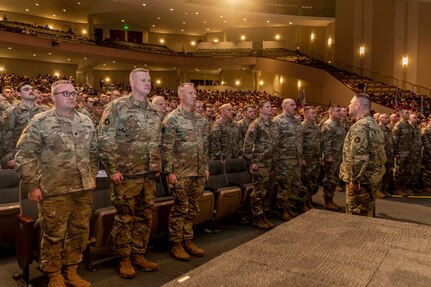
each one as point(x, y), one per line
point(329, 158)
point(172, 179)
point(116, 178)
point(35, 195)
point(207, 174)
point(253, 167)
point(11, 164)
point(303, 163)
point(354, 187)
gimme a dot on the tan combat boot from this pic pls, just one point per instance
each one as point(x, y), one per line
point(140, 262)
point(193, 249)
point(178, 252)
point(284, 215)
point(71, 277)
point(265, 219)
point(259, 223)
point(56, 280)
point(331, 206)
point(125, 268)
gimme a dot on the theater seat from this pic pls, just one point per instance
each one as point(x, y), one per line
point(227, 198)
point(206, 208)
point(9, 205)
point(237, 174)
point(162, 207)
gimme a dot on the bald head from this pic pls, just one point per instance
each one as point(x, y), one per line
point(288, 106)
point(359, 105)
point(226, 112)
point(160, 103)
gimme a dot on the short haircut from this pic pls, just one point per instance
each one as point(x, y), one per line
point(60, 82)
point(7, 87)
point(182, 86)
point(364, 99)
point(137, 70)
point(18, 89)
point(262, 103)
point(309, 108)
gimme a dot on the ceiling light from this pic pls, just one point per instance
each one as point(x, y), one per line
point(50, 53)
point(37, 4)
point(193, 43)
point(197, 13)
point(290, 23)
point(143, 4)
point(186, 13)
point(113, 62)
point(53, 15)
point(182, 30)
point(267, 21)
point(84, 31)
point(64, 10)
point(172, 9)
point(57, 74)
point(9, 48)
point(215, 40)
point(122, 21)
point(277, 37)
point(243, 37)
point(184, 23)
point(224, 21)
point(158, 18)
point(85, 58)
point(162, 41)
point(245, 19)
point(26, 10)
point(154, 25)
point(208, 29)
point(104, 64)
point(145, 65)
point(79, 3)
point(68, 59)
point(134, 67)
point(205, 22)
point(34, 55)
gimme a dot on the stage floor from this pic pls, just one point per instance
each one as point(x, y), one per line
point(321, 248)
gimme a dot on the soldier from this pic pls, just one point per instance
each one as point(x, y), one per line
point(376, 117)
point(259, 150)
point(344, 122)
point(185, 161)
point(289, 158)
point(332, 136)
point(403, 134)
point(311, 154)
point(224, 135)
point(364, 159)
point(416, 156)
point(388, 178)
point(8, 99)
point(57, 160)
point(88, 107)
point(160, 103)
point(394, 118)
point(97, 113)
point(129, 145)
point(16, 118)
point(426, 159)
point(243, 124)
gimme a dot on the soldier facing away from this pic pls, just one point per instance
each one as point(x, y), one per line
point(185, 161)
point(57, 160)
point(364, 159)
point(129, 147)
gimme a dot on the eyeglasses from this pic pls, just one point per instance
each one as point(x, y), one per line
point(67, 94)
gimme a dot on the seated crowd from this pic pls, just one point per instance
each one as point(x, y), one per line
point(135, 132)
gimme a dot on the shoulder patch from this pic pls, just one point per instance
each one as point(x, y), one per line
point(357, 139)
point(107, 122)
point(163, 130)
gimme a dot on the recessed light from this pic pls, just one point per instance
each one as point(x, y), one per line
point(182, 30)
point(143, 4)
point(245, 19)
point(26, 10)
point(158, 18)
point(50, 53)
point(122, 20)
point(154, 25)
point(37, 4)
point(104, 64)
point(224, 21)
point(64, 10)
point(9, 48)
point(68, 59)
point(267, 21)
point(85, 58)
point(113, 62)
point(205, 22)
point(197, 13)
point(172, 9)
point(79, 3)
point(290, 23)
point(53, 15)
point(208, 29)
point(184, 23)
point(34, 55)
point(221, 16)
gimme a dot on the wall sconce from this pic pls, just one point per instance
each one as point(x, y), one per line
point(242, 37)
point(405, 61)
point(277, 37)
point(107, 79)
point(261, 83)
point(329, 42)
point(158, 81)
point(237, 83)
point(215, 40)
point(312, 37)
point(193, 43)
point(281, 80)
point(361, 50)
point(162, 41)
point(299, 84)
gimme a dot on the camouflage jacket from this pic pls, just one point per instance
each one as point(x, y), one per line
point(290, 137)
point(15, 119)
point(389, 143)
point(426, 142)
point(224, 140)
point(311, 142)
point(185, 144)
point(403, 135)
point(332, 135)
point(363, 153)
point(260, 142)
point(58, 154)
point(129, 137)
point(243, 128)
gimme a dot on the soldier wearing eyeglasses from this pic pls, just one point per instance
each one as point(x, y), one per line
point(57, 160)
point(16, 118)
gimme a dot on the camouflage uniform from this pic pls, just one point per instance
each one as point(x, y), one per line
point(311, 154)
point(426, 159)
point(363, 165)
point(58, 155)
point(185, 154)
point(288, 159)
point(416, 157)
point(332, 135)
point(224, 140)
point(15, 119)
point(259, 148)
point(403, 135)
point(388, 177)
point(242, 129)
point(129, 142)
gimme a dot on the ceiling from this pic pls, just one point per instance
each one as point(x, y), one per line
point(187, 17)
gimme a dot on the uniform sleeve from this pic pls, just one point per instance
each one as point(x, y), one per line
point(8, 130)
point(359, 142)
point(169, 137)
point(94, 156)
point(396, 137)
point(215, 136)
point(106, 139)
point(28, 147)
point(249, 142)
point(154, 149)
point(206, 144)
point(326, 140)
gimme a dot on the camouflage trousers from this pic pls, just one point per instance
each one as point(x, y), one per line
point(260, 197)
point(309, 176)
point(331, 179)
point(388, 184)
point(415, 173)
point(289, 183)
point(64, 222)
point(134, 200)
point(403, 170)
point(363, 201)
point(186, 194)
